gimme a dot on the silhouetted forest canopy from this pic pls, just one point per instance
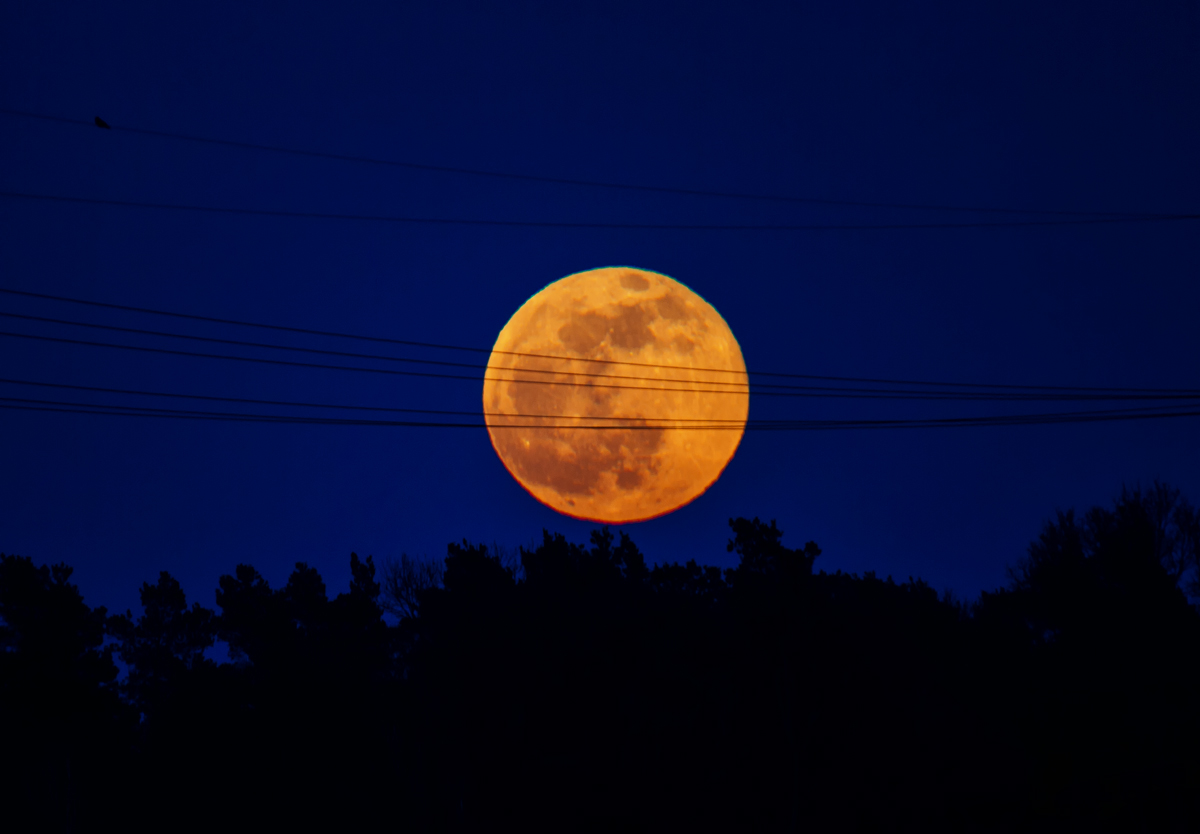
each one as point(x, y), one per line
point(573, 687)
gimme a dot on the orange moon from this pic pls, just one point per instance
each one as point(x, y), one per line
point(616, 395)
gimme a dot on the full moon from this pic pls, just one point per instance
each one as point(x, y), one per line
point(616, 395)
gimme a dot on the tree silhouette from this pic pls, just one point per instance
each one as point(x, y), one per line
point(164, 645)
point(1099, 600)
point(405, 580)
point(577, 687)
point(59, 711)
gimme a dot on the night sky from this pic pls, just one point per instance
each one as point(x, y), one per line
point(1063, 106)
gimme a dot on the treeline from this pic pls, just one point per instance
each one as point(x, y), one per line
point(575, 688)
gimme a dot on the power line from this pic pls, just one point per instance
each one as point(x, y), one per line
point(980, 422)
point(473, 366)
point(810, 425)
point(347, 354)
point(963, 395)
point(388, 371)
point(303, 330)
point(151, 411)
point(682, 384)
point(831, 394)
point(148, 411)
point(293, 404)
point(555, 224)
point(242, 419)
point(438, 346)
point(691, 192)
point(339, 406)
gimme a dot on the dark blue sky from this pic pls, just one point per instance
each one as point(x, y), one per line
point(1072, 106)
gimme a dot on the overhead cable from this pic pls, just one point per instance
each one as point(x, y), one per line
point(478, 350)
point(691, 192)
point(808, 425)
point(559, 224)
point(442, 412)
point(758, 386)
point(387, 371)
point(344, 407)
point(382, 340)
point(954, 396)
point(439, 346)
point(375, 356)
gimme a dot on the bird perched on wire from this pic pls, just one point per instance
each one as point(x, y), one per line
point(101, 123)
